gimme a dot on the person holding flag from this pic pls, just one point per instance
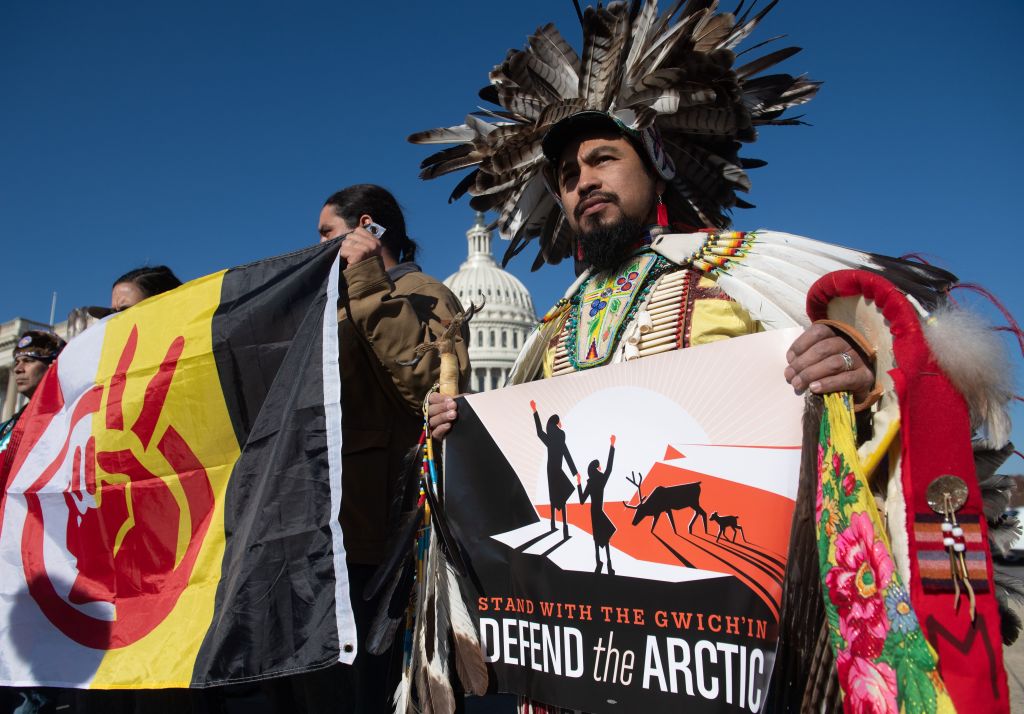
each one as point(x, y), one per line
point(201, 478)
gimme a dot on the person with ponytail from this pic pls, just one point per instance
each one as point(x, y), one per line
point(387, 307)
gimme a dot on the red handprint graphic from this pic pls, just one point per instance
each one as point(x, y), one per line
point(123, 533)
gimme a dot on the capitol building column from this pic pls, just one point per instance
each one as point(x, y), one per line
point(499, 330)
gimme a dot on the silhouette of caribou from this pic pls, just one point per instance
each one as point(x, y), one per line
point(728, 522)
point(665, 499)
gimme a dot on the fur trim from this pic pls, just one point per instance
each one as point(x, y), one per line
point(975, 360)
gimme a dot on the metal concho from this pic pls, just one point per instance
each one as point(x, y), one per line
point(946, 485)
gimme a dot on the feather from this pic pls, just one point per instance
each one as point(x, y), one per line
point(488, 184)
point(556, 239)
point(512, 215)
point(1002, 534)
point(604, 42)
point(402, 698)
point(796, 276)
point(467, 182)
point(664, 45)
point(549, 45)
point(926, 284)
point(469, 656)
point(701, 120)
point(709, 175)
point(550, 69)
point(440, 530)
point(761, 306)
point(763, 63)
point(514, 100)
point(1009, 591)
point(690, 93)
point(450, 159)
point(443, 135)
point(515, 155)
point(713, 32)
point(803, 261)
point(399, 548)
point(641, 34)
point(772, 288)
point(433, 630)
point(996, 489)
point(529, 224)
point(744, 27)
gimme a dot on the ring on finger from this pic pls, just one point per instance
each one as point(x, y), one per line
point(847, 361)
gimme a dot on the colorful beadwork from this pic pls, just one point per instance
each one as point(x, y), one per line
point(604, 305)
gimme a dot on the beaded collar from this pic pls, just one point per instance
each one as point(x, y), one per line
point(605, 303)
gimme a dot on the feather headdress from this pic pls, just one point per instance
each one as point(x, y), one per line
point(670, 81)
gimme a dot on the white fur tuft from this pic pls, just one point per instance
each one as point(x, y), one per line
point(975, 360)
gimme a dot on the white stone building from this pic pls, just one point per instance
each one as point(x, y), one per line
point(498, 332)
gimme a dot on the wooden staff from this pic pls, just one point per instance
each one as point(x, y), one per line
point(448, 381)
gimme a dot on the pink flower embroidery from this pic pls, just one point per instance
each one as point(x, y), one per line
point(861, 574)
point(870, 686)
point(817, 504)
point(865, 636)
point(849, 479)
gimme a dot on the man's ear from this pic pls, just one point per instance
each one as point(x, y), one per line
point(365, 219)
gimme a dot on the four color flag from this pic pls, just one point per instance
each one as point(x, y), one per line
point(169, 515)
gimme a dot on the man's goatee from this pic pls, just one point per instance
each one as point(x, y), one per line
point(608, 245)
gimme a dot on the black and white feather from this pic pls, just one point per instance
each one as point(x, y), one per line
point(678, 70)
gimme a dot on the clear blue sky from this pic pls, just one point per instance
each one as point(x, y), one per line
point(207, 134)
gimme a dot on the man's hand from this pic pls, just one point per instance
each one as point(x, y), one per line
point(441, 414)
point(358, 245)
point(817, 363)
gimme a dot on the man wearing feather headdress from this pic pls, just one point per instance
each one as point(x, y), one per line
point(605, 157)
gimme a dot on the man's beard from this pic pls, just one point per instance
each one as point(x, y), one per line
point(607, 245)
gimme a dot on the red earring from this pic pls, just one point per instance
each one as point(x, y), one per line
point(662, 213)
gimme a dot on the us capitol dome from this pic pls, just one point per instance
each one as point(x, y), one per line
point(499, 330)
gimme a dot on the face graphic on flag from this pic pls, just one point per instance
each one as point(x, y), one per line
point(139, 545)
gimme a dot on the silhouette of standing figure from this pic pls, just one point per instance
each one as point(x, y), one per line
point(559, 485)
point(602, 524)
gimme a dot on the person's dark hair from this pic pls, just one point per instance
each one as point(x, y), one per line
point(151, 279)
point(378, 203)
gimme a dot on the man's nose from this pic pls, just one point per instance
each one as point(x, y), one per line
point(588, 181)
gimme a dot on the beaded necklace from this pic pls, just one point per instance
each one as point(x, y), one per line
point(604, 304)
